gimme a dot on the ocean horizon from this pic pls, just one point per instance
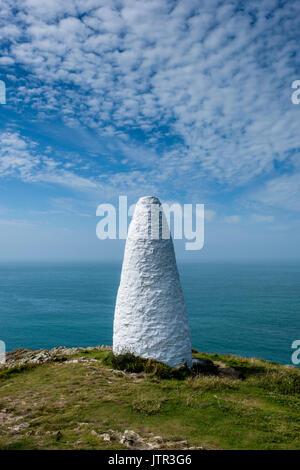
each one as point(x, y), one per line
point(250, 309)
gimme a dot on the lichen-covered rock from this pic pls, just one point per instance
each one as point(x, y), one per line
point(22, 356)
point(150, 315)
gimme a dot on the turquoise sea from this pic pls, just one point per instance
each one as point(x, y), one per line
point(249, 309)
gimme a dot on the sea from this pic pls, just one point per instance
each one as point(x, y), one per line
point(249, 309)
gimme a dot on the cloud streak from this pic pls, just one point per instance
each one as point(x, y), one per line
point(20, 158)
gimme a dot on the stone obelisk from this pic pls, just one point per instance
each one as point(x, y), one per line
point(150, 316)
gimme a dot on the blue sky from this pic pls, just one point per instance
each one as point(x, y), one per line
point(186, 100)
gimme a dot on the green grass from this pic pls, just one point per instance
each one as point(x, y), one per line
point(58, 405)
point(6, 373)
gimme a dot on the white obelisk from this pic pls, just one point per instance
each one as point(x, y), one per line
point(150, 316)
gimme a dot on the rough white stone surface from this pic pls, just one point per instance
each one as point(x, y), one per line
point(150, 316)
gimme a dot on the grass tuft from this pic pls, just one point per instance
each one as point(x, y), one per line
point(210, 383)
point(130, 363)
point(284, 382)
point(7, 373)
point(148, 407)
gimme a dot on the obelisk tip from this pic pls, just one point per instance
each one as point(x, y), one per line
point(148, 200)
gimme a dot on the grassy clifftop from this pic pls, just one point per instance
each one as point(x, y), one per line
point(74, 399)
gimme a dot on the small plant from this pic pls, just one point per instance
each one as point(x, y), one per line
point(130, 363)
point(126, 362)
point(158, 369)
point(148, 407)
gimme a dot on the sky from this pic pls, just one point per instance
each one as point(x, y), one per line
point(189, 101)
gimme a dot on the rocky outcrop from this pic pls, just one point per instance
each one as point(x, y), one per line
point(22, 356)
point(132, 440)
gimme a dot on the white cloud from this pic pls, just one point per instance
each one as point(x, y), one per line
point(209, 215)
point(4, 60)
point(16, 223)
point(216, 75)
point(263, 218)
point(67, 205)
point(232, 219)
point(19, 157)
point(279, 193)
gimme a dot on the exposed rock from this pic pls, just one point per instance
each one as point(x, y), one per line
point(27, 356)
point(182, 443)
point(40, 358)
point(8, 418)
point(17, 354)
point(22, 356)
point(227, 371)
point(20, 427)
point(64, 351)
point(204, 366)
point(130, 438)
point(157, 439)
point(106, 437)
